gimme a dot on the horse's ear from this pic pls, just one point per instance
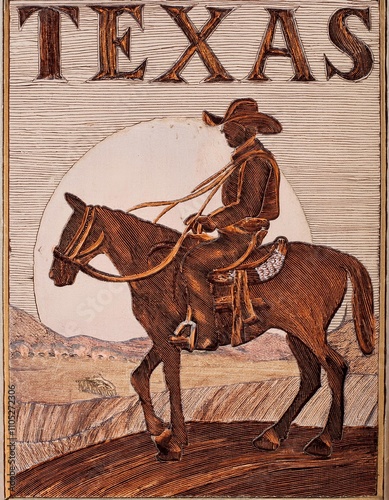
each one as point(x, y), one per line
point(75, 202)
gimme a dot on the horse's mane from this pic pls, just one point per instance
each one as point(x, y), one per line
point(131, 219)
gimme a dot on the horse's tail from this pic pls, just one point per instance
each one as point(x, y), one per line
point(362, 301)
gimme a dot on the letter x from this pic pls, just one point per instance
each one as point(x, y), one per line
point(198, 44)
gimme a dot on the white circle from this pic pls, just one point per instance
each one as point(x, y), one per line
point(156, 160)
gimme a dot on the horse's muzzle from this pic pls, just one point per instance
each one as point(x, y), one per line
point(63, 274)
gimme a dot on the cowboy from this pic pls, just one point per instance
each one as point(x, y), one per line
point(250, 197)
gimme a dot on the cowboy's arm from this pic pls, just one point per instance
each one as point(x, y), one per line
point(252, 185)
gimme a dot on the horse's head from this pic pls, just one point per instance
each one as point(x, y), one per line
point(81, 240)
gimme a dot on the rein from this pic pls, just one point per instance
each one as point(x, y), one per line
point(73, 252)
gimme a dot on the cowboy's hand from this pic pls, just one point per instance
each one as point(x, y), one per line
point(200, 223)
point(206, 223)
point(192, 223)
point(190, 219)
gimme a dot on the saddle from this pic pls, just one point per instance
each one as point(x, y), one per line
point(231, 294)
point(231, 289)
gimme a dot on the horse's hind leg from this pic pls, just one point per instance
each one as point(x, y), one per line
point(336, 369)
point(140, 380)
point(309, 383)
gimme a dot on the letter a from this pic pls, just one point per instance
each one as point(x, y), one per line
point(294, 48)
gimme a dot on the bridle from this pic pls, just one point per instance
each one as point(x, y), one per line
point(74, 252)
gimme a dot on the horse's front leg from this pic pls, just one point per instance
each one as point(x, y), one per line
point(140, 380)
point(170, 443)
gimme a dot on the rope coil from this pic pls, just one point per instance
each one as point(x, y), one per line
point(214, 181)
point(212, 184)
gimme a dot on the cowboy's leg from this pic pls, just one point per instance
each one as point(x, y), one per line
point(201, 302)
point(198, 263)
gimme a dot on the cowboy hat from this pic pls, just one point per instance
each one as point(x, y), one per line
point(245, 112)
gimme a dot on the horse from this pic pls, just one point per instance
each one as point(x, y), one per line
point(301, 300)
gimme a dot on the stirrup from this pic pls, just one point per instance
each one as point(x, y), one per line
point(185, 342)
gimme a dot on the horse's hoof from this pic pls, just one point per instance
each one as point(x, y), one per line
point(171, 456)
point(318, 448)
point(173, 453)
point(162, 440)
point(268, 440)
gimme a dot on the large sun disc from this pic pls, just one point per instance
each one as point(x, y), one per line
point(157, 160)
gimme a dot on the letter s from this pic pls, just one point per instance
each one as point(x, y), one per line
point(348, 43)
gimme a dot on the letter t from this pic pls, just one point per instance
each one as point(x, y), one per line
point(49, 37)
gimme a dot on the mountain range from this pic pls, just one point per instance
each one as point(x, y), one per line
point(29, 338)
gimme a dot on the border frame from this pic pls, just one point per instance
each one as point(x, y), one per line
point(383, 375)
